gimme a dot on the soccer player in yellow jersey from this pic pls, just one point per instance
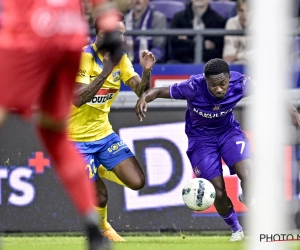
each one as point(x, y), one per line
point(98, 84)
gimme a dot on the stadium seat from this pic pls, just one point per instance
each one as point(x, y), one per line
point(224, 9)
point(168, 7)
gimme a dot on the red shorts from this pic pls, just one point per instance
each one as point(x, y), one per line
point(43, 79)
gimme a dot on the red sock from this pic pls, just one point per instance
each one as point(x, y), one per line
point(70, 168)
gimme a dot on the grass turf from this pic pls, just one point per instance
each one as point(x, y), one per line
point(176, 241)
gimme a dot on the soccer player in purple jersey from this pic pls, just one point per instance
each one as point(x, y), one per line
point(212, 131)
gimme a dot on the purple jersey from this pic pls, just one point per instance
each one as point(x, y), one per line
point(206, 114)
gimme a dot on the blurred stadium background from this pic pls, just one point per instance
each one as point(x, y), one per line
point(32, 200)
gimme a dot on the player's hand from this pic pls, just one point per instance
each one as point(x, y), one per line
point(182, 37)
point(112, 42)
point(147, 59)
point(296, 120)
point(208, 44)
point(107, 64)
point(141, 108)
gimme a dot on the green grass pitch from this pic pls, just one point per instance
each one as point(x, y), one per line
point(176, 241)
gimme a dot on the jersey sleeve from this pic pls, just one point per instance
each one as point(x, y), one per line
point(127, 70)
point(83, 74)
point(183, 90)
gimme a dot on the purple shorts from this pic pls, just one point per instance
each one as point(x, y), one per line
point(205, 154)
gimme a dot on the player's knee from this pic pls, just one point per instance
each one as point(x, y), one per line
point(244, 176)
point(3, 114)
point(138, 183)
point(220, 194)
point(102, 201)
point(242, 169)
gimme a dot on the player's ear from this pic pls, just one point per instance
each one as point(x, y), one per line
point(101, 33)
point(229, 76)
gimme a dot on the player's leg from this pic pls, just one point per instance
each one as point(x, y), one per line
point(130, 172)
point(109, 175)
point(206, 163)
point(3, 113)
point(6, 80)
point(235, 151)
point(225, 209)
point(69, 167)
point(16, 91)
point(68, 164)
point(105, 227)
point(237, 155)
point(115, 156)
point(88, 151)
point(121, 164)
point(243, 171)
point(101, 208)
point(130, 166)
point(205, 158)
point(222, 202)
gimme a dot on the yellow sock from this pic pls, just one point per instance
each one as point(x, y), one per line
point(103, 224)
point(109, 175)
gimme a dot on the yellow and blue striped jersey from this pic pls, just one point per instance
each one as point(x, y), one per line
point(90, 121)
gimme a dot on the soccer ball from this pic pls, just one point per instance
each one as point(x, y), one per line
point(198, 194)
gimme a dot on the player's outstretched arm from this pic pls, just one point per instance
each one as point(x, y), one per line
point(147, 61)
point(149, 96)
point(138, 85)
point(85, 92)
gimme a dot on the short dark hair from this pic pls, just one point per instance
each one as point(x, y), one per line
point(215, 66)
point(122, 19)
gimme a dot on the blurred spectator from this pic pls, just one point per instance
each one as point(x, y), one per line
point(143, 17)
point(122, 5)
point(296, 13)
point(236, 47)
point(87, 10)
point(197, 15)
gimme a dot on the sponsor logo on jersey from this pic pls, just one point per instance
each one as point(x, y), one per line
point(212, 115)
point(103, 95)
point(216, 107)
point(197, 171)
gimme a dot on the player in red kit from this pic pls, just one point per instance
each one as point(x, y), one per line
point(40, 48)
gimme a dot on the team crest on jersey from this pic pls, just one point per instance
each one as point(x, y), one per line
point(103, 95)
point(197, 171)
point(216, 107)
point(116, 75)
